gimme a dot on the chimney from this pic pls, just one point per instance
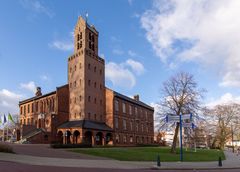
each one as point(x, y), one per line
point(136, 97)
point(38, 92)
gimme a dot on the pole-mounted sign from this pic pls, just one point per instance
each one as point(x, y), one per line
point(181, 120)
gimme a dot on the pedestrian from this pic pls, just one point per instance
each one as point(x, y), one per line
point(238, 151)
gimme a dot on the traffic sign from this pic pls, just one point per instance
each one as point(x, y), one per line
point(180, 118)
point(172, 118)
point(187, 116)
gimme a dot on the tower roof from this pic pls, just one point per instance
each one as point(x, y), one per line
point(82, 21)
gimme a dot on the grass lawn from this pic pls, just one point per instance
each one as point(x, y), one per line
point(150, 154)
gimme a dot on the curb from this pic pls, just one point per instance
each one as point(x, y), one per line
point(191, 168)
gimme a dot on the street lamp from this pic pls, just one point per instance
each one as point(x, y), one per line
point(232, 137)
point(66, 136)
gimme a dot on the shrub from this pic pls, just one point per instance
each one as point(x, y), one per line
point(147, 145)
point(58, 145)
point(6, 148)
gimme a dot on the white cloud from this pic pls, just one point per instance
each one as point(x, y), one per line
point(119, 75)
point(37, 6)
point(136, 15)
point(227, 98)
point(45, 78)
point(114, 39)
point(65, 44)
point(102, 55)
point(136, 66)
point(132, 53)
point(130, 2)
point(62, 45)
point(201, 31)
point(9, 101)
point(117, 51)
point(123, 74)
point(30, 86)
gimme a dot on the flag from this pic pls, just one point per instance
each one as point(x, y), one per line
point(4, 119)
point(10, 118)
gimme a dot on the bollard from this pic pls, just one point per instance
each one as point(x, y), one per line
point(158, 161)
point(220, 162)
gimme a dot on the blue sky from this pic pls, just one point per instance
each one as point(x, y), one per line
point(143, 42)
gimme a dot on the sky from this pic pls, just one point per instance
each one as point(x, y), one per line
point(143, 42)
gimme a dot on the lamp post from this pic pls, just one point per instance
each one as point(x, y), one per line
point(66, 136)
point(232, 137)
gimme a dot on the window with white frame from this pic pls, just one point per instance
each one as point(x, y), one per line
point(124, 139)
point(117, 138)
point(131, 139)
point(116, 105)
point(124, 107)
point(130, 109)
point(124, 124)
point(136, 110)
point(116, 122)
point(136, 127)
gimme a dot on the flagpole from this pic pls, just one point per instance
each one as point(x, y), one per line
point(7, 126)
point(3, 133)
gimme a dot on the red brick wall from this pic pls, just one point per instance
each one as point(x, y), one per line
point(62, 110)
point(41, 138)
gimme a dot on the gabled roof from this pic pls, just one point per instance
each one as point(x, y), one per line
point(86, 124)
point(36, 97)
point(131, 100)
point(39, 97)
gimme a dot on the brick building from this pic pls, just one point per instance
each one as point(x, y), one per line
point(85, 110)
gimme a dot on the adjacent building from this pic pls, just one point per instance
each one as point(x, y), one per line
point(85, 110)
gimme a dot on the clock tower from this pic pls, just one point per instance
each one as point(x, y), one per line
point(86, 75)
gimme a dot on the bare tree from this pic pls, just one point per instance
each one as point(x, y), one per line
point(180, 94)
point(224, 120)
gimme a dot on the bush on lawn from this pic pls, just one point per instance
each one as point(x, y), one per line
point(147, 145)
point(6, 148)
point(58, 145)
